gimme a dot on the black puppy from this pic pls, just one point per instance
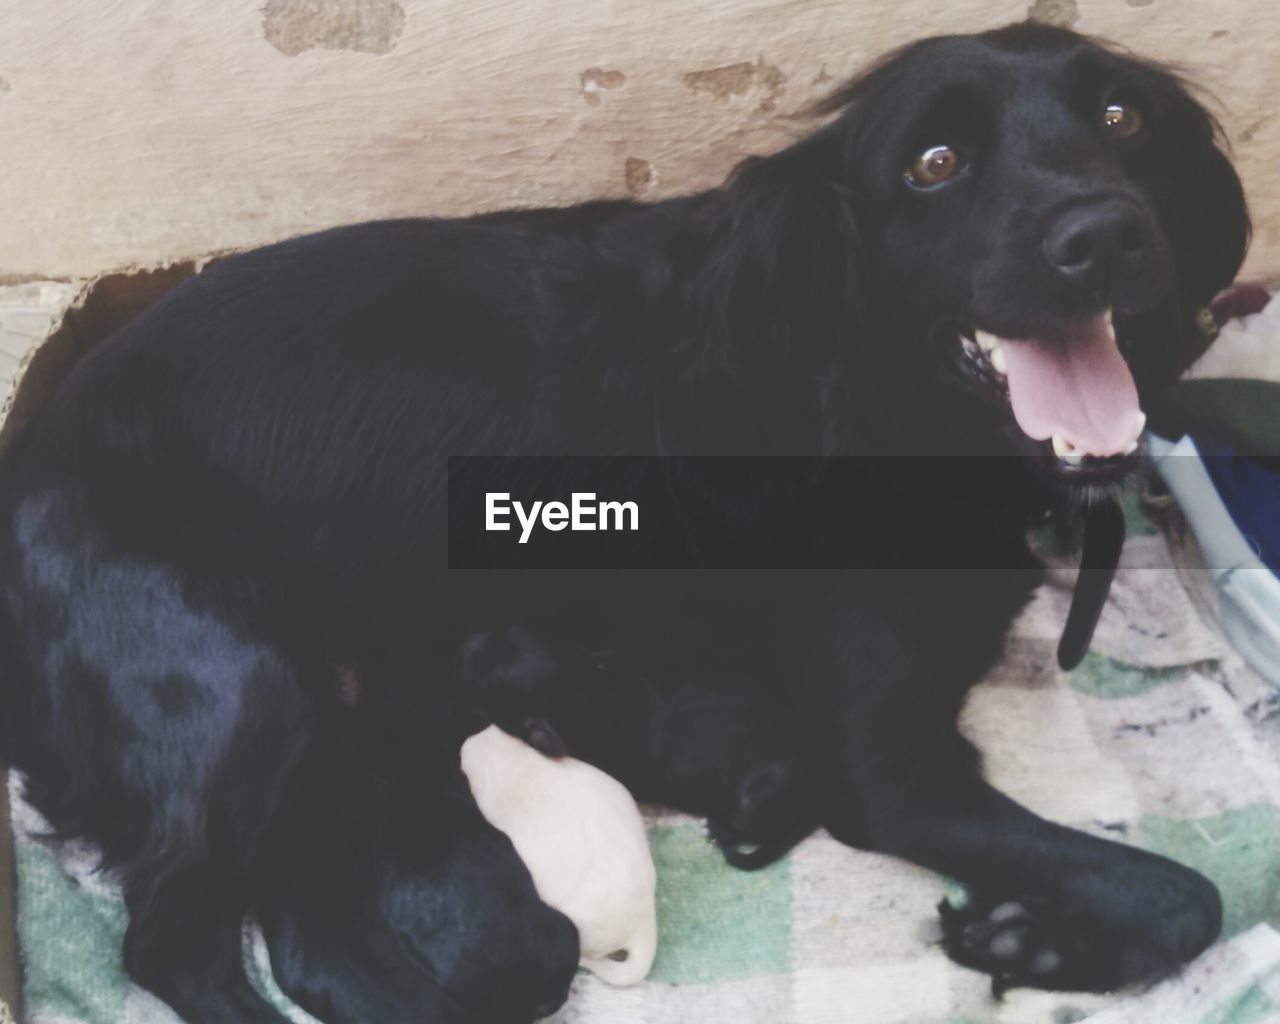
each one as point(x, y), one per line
point(728, 756)
point(372, 913)
point(997, 245)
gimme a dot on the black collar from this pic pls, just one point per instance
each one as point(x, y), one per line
point(1103, 539)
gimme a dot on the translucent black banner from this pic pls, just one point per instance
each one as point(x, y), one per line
point(739, 513)
point(914, 512)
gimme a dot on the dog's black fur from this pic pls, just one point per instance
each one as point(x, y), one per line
point(245, 487)
point(698, 745)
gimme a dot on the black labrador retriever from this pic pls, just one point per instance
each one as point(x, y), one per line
point(997, 245)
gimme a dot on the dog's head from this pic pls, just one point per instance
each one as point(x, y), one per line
point(417, 907)
point(1024, 224)
point(478, 942)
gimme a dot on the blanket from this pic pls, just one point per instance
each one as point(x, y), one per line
point(1160, 738)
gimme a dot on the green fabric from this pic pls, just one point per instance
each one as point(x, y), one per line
point(71, 947)
point(1244, 413)
point(1239, 849)
point(1252, 1006)
point(1103, 677)
point(731, 925)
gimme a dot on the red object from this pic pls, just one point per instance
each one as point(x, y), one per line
point(1237, 301)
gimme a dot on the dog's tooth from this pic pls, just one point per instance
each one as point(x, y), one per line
point(1064, 449)
point(1139, 425)
point(1107, 317)
point(986, 340)
point(998, 361)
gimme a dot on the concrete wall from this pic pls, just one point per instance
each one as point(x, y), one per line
point(142, 131)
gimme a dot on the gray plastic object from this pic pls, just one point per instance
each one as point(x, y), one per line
point(1250, 593)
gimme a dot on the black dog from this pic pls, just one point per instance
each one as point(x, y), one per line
point(728, 756)
point(246, 486)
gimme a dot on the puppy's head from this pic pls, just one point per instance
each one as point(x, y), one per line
point(558, 697)
point(1033, 222)
point(518, 682)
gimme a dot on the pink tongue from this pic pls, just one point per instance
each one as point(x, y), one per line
point(1077, 387)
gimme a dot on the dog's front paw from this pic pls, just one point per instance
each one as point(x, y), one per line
point(1105, 932)
point(1017, 941)
point(768, 815)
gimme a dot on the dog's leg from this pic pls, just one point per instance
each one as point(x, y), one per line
point(168, 731)
point(184, 944)
point(1052, 907)
point(188, 893)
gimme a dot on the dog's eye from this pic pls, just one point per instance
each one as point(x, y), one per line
point(932, 167)
point(1121, 120)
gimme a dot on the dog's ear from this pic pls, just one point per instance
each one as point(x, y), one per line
point(780, 287)
point(1213, 214)
point(1218, 224)
point(542, 736)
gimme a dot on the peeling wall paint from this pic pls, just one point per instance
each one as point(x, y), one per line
point(738, 80)
point(138, 133)
point(638, 175)
point(28, 312)
point(595, 79)
point(363, 26)
point(1055, 12)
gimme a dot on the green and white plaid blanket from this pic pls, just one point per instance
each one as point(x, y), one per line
point(1160, 739)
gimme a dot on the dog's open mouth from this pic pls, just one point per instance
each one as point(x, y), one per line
point(1071, 391)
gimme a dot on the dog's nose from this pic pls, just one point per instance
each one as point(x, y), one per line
point(1101, 244)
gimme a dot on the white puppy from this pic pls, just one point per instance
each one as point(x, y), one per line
point(579, 832)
